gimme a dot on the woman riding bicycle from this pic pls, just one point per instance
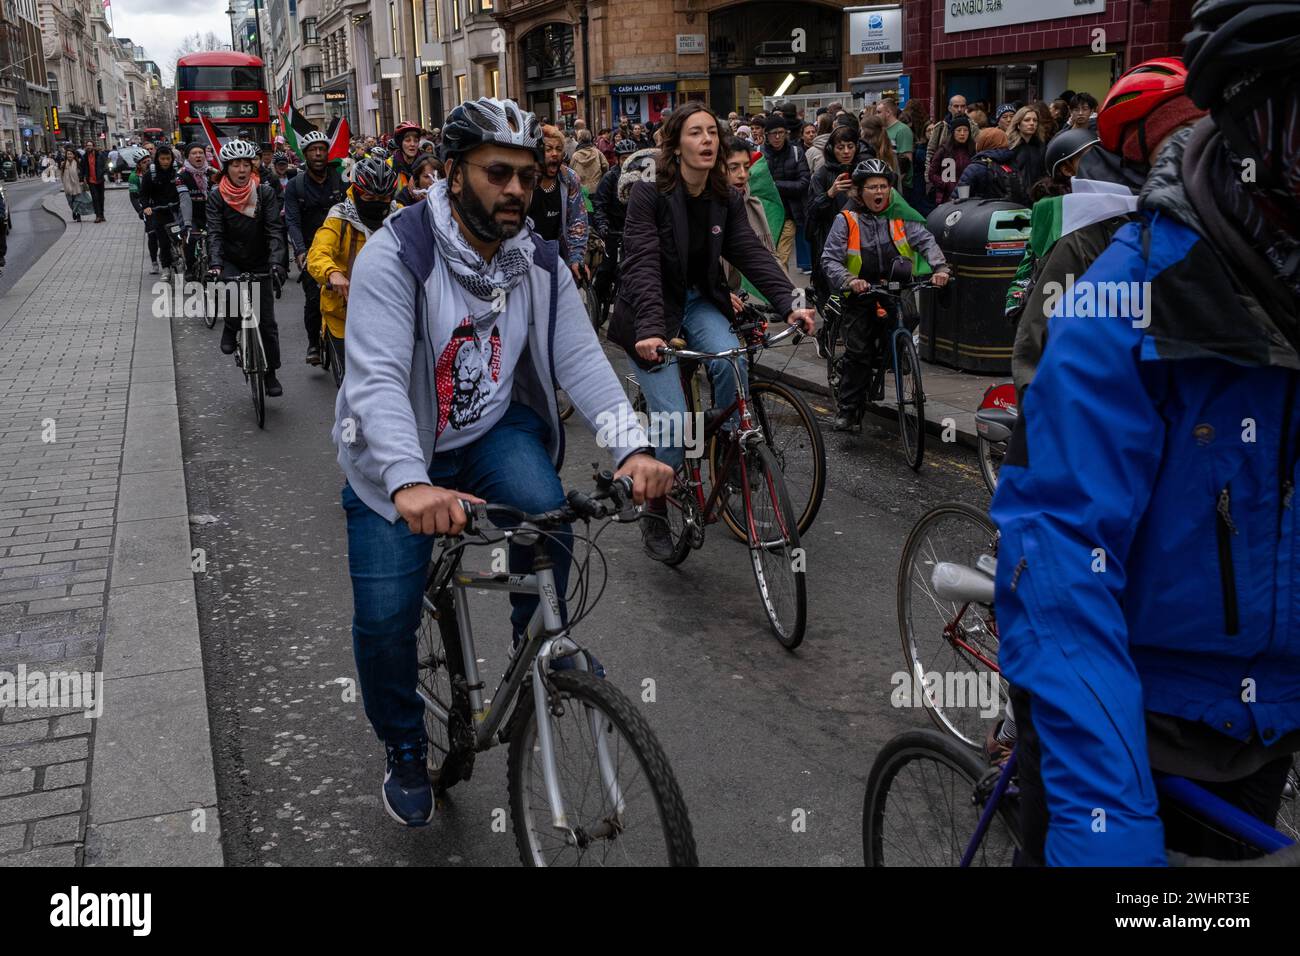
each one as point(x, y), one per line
point(677, 230)
point(868, 243)
point(336, 243)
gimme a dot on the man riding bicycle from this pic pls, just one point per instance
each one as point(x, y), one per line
point(877, 237)
point(246, 234)
point(1147, 583)
point(165, 200)
point(462, 324)
point(308, 199)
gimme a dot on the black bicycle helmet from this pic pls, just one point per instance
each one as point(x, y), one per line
point(375, 176)
point(625, 147)
point(1233, 44)
point(874, 168)
point(281, 157)
point(378, 152)
point(488, 120)
point(1067, 144)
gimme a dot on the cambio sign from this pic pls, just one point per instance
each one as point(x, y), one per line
point(876, 30)
point(962, 15)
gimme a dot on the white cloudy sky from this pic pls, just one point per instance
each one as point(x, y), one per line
point(160, 25)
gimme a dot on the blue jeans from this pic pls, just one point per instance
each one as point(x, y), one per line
point(508, 465)
point(802, 251)
point(705, 330)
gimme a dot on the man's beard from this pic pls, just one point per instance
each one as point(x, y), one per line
point(479, 220)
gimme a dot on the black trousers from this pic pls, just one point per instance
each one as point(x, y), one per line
point(339, 353)
point(157, 224)
point(1259, 794)
point(311, 309)
point(97, 199)
point(606, 272)
point(865, 336)
point(265, 315)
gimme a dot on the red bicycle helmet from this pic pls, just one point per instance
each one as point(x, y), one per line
point(404, 128)
point(1136, 94)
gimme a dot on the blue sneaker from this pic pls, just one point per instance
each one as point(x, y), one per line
point(408, 797)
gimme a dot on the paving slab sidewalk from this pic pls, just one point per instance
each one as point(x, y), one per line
point(95, 567)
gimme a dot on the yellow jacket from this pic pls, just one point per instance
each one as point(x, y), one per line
point(333, 249)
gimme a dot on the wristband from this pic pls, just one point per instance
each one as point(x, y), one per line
point(409, 484)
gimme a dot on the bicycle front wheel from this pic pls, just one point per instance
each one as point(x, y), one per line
point(911, 399)
point(924, 801)
point(440, 682)
point(951, 648)
point(791, 432)
point(621, 801)
point(774, 551)
point(990, 459)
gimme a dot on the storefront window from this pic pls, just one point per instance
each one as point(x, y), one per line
point(762, 35)
point(548, 52)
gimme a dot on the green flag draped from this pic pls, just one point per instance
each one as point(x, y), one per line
point(763, 186)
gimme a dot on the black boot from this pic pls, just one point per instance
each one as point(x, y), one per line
point(228, 340)
point(654, 530)
point(848, 420)
point(273, 387)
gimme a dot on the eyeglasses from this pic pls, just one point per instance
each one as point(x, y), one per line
point(500, 174)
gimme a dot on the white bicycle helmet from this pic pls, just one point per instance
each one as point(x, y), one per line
point(237, 149)
point(488, 120)
point(312, 138)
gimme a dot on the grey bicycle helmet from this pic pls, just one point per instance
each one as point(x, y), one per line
point(872, 169)
point(1232, 40)
point(375, 176)
point(237, 149)
point(488, 120)
point(625, 147)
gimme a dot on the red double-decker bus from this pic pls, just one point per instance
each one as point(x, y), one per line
point(227, 87)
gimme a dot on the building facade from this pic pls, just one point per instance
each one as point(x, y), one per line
point(1033, 49)
point(607, 59)
point(24, 96)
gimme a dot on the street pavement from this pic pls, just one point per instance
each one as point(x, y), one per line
point(34, 229)
point(228, 674)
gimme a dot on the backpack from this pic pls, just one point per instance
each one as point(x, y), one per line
point(1003, 182)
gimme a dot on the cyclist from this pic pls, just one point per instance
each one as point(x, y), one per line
point(340, 238)
point(1146, 584)
point(557, 210)
point(246, 234)
point(869, 241)
point(668, 289)
point(463, 277)
point(194, 177)
point(308, 199)
point(164, 200)
point(133, 187)
point(608, 210)
point(405, 150)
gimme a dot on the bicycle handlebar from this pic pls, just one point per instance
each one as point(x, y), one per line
point(578, 506)
point(681, 352)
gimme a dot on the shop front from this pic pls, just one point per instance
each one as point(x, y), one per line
point(767, 48)
point(642, 102)
point(548, 69)
point(340, 102)
point(1004, 51)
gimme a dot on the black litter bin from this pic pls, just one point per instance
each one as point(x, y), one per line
point(983, 241)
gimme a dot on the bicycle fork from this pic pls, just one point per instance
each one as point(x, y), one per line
point(556, 647)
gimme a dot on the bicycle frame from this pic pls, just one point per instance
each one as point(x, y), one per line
point(1211, 810)
point(545, 639)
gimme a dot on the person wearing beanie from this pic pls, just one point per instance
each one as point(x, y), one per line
point(1002, 116)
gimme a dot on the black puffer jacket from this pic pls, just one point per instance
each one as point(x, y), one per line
point(239, 243)
point(789, 169)
point(821, 210)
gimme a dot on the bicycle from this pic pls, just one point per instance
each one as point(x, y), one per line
point(922, 779)
point(330, 360)
point(583, 717)
point(250, 353)
point(788, 424)
point(170, 234)
point(747, 484)
point(901, 357)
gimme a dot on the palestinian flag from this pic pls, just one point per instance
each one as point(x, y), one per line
point(340, 138)
point(213, 139)
point(294, 124)
point(762, 185)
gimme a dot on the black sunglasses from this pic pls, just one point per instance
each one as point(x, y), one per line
point(500, 174)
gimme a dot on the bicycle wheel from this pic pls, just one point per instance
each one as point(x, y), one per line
point(439, 682)
point(330, 359)
point(774, 551)
point(648, 826)
point(911, 399)
point(1288, 814)
point(990, 458)
point(685, 524)
point(956, 642)
point(791, 432)
point(924, 799)
point(209, 306)
point(257, 376)
point(564, 405)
